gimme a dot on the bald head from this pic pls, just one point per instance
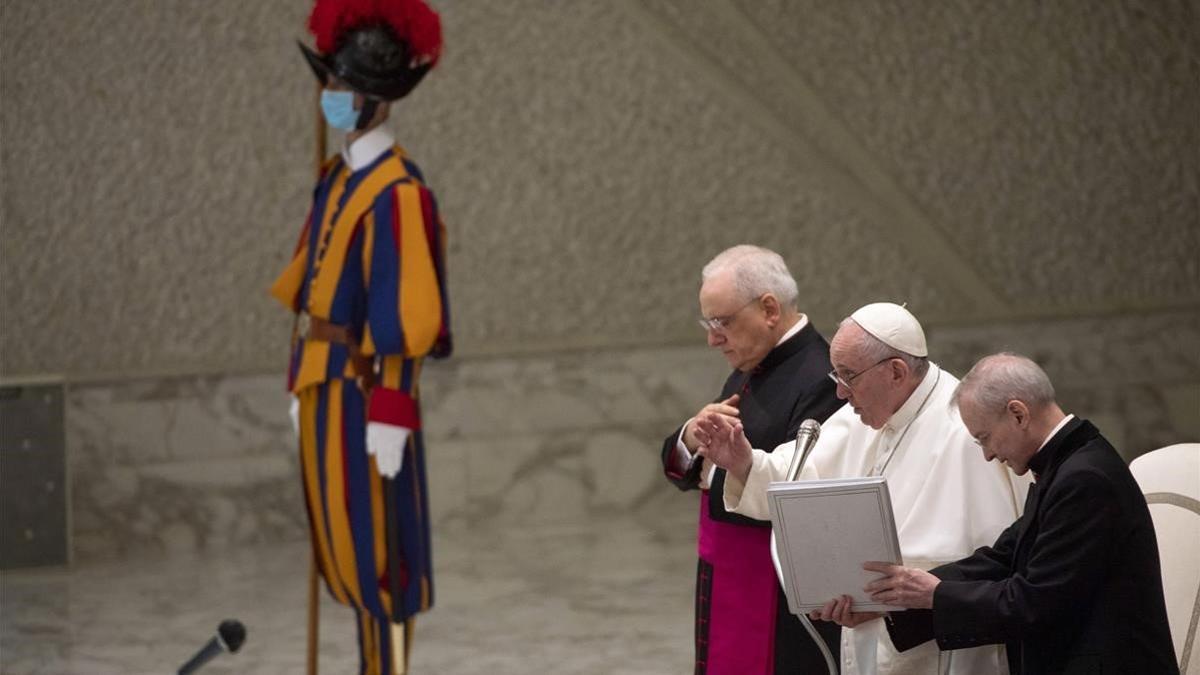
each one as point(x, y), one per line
point(1007, 404)
point(748, 303)
point(997, 379)
point(754, 271)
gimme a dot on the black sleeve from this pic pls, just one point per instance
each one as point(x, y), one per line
point(988, 563)
point(910, 628)
point(1068, 557)
point(684, 480)
point(689, 479)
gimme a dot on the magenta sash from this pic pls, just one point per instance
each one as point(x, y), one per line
point(743, 597)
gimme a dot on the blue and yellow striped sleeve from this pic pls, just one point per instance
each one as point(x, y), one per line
point(286, 288)
point(406, 308)
point(404, 292)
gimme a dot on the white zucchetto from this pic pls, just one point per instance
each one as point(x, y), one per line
point(893, 325)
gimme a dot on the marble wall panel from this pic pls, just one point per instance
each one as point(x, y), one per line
point(186, 464)
point(181, 464)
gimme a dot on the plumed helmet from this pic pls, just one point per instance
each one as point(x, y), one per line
point(379, 48)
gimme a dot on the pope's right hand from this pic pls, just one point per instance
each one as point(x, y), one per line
point(841, 611)
point(723, 442)
point(727, 408)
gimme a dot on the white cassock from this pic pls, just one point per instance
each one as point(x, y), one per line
point(947, 501)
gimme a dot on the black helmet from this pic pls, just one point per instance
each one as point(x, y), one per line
point(372, 61)
point(379, 48)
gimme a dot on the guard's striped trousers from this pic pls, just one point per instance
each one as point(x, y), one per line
point(370, 535)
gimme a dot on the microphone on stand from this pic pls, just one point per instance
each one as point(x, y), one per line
point(806, 438)
point(229, 638)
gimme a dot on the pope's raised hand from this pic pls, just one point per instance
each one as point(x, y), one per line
point(723, 441)
point(727, 408)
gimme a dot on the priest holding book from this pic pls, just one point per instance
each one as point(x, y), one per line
point(946, 499)
point(1074, 585)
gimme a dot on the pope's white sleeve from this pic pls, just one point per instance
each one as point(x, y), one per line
point(751, 499)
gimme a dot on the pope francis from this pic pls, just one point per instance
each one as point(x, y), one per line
point(899, 424)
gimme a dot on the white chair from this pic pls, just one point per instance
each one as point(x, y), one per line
point(1170, 479)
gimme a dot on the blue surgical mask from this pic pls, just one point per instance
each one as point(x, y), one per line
point(338, 107)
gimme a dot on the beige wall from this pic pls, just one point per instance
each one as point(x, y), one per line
point(1023, 174)
point(984, 162)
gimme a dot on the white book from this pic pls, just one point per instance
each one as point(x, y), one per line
point(824, 531)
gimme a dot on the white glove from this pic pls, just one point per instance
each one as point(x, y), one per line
point(386, 442)
point(294, 413)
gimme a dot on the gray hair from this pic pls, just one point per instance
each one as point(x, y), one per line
point(876, 350)
point(756, 271)
point(999, 378)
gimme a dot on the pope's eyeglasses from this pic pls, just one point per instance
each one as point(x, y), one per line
point(846, 380)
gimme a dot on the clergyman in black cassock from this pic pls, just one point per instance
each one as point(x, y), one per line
point(1074, 586)
point(788, 386)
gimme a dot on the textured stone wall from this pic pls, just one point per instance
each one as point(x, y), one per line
point(1024, 176)
point(982, 161)
point(209, 463)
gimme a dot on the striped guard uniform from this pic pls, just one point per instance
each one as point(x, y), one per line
point(371, 258)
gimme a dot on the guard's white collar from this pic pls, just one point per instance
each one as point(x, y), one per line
point(368, 147)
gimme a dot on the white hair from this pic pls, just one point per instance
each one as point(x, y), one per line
point(756, 271)
point(876, 350)
point(999, 378)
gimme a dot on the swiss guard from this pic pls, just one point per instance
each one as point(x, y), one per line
point(367, 283)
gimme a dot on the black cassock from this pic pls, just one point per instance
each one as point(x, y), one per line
point(789, 386)
point(1074, 586)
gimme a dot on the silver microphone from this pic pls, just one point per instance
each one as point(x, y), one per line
point(806, 438)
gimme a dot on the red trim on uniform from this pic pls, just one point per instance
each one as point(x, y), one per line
point(430, 221)
point(392, 406)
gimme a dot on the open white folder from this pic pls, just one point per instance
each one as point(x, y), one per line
point(824, 531)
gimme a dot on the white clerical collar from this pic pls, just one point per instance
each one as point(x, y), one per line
point(1058, 427)
point(793, 330)
point(368, 147)
point(916, 400)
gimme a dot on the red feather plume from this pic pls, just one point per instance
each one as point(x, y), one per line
point(413, 21)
